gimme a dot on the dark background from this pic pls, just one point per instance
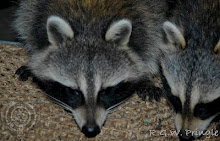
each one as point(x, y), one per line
point(7, 11)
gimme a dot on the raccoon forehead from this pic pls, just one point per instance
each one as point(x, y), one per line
point(117, 78)
point(51, 74)
point(203, 90)
point(198, 95)
point(178, 87)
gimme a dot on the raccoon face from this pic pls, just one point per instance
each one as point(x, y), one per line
point(84, 73)
point(191, 79)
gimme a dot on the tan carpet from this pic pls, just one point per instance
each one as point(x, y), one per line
point(27, 114)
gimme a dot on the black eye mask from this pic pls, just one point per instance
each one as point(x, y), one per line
point(67, 95)
point(114, 95)
point(206, 110)
point(173, 100)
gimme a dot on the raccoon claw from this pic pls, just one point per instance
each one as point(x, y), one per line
point(154, 93)
point(142, 95)
point(23, 73)
point(20, 70)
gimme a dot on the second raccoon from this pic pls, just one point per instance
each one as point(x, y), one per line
point(191, 65)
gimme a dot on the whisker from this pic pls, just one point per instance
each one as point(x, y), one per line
point(110, 109)
point(60, 103)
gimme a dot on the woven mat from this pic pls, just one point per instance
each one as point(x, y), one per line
point(27, 114)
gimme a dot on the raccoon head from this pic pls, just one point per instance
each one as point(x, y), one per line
point(85, 73)
point(191, 78)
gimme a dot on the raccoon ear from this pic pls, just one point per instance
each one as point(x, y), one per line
point(173, 34)
point(58, 30)
point(217, 48)
point(119, 32)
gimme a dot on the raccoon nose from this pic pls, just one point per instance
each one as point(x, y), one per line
point(186, 136)
point(91, 131)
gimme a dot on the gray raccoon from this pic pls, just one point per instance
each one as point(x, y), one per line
point(191, 65)
point(89, 55)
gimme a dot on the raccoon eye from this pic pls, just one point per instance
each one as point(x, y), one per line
point(113, 96)
point(72, 91)
point(74, 98)
point(201, 112)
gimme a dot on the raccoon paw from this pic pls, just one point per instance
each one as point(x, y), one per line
point(153, 93)
point(23, 73)
point(142, 94)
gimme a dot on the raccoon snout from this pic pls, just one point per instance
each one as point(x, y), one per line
point(91, 131)
point(184, 136)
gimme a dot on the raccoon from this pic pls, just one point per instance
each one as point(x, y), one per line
point(89, 56)
point(190, 65)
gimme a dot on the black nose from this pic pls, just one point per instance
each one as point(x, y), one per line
point(91, 131)
point(186, 136)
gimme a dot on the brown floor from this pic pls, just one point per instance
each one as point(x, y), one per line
point(26, 113)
